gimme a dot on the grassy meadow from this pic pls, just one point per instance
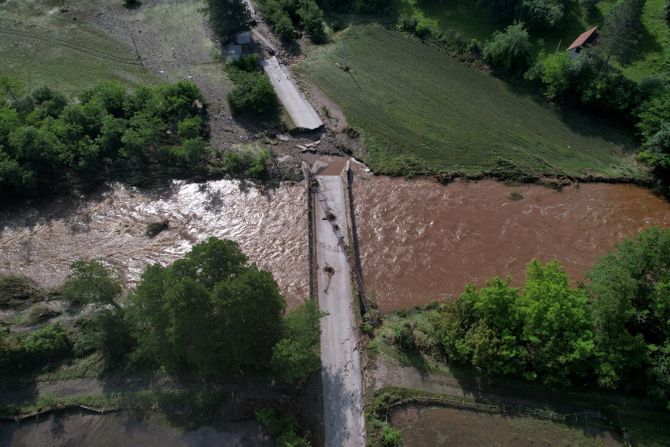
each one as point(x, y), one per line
point(43, 47)
point(419, 108)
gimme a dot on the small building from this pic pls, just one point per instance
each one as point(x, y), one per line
point(584, 40)
point(244, 38)
point(233, 52)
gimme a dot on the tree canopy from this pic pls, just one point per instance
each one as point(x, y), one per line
point(510, 50)
point(540, 333)
point(49, 144)
point(211, 311)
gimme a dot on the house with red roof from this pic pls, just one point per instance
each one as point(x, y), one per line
point(583, 40)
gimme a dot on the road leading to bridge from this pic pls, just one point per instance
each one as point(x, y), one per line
point(341, 368)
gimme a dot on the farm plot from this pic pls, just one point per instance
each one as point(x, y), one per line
point(418, 107)
point(441, 426)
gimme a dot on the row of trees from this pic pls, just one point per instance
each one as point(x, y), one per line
point(287, 16)
point(49, 144)
point(211, 313)
point(613, 332)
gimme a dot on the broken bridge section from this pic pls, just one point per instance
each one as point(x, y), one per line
point(341, 368)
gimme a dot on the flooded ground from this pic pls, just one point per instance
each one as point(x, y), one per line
point(421, 241)
point(42, 242)
point(127, 429)
point(442, 427)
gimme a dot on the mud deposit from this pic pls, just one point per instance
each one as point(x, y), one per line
point(421, 241)
point(41, 242)
point(431, 426)
point(126, 429)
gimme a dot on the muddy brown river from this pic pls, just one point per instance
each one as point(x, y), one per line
point(270, 227)
point(420, 241)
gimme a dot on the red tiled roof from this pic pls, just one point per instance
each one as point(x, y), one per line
point(583, 38)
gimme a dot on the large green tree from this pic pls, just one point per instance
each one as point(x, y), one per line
point(541, 333)
point(620, 34)
point(509, 51)
point(630, 293)
point(211, 312)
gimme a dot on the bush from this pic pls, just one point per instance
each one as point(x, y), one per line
point(403, 336)
point(390, 437)
point(284, 429)
point(248, 164)
point(585, 81)
point(46, 344)
point(92, 282)
point(541, 14)
point(509, 51)
point(18, 291)
point(296, 356)
point(253, 94)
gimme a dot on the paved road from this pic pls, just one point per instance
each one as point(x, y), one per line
point(341, 369)
point(299, 109)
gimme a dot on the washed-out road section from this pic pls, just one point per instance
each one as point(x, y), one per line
point(341, 368)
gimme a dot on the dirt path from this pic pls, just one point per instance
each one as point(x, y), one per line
point(124, 384)
point(341, 369)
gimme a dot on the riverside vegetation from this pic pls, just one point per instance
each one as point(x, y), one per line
point(610, 332)
point(211, 314)
point(51, 145)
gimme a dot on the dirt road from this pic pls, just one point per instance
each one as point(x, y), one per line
point(341, 369)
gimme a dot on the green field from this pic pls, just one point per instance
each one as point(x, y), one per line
point(43, 47)
point(475, 20)
point(415, 104)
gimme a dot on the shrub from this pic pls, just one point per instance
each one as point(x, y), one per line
point(509, 51)
point(248, 164)
point(47, 344)
point(296, 356)
point(92, 282)
point(403, 336)
point(253, 95)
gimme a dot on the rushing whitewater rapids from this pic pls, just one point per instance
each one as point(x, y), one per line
point(270, 228)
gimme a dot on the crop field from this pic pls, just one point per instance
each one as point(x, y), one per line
point(418, 107)
point(44, 47)
point(443, 426)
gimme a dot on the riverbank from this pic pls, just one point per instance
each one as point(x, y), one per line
point(395, 376)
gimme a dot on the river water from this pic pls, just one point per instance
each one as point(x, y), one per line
point(270, 227)
point(420, 241)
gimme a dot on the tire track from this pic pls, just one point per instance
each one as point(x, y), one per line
point(59, 42)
